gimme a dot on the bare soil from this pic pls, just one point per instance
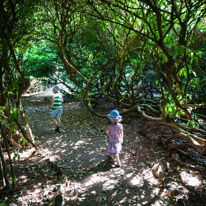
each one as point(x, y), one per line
point(71, 167)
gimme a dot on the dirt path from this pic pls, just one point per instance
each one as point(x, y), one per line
point(72, 167)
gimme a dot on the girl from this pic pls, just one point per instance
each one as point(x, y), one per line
point(115, 133)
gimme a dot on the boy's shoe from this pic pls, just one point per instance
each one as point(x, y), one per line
point(57, 130)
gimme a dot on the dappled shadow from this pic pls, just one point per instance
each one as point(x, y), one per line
point(74, 164)
point(103, 166)
point(193, 199)
point(117, 187)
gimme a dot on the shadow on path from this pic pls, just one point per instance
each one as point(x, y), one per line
point(74, 165)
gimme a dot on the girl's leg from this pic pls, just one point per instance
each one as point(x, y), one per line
point(118, 160)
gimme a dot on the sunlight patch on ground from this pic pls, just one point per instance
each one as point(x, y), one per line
point(136, 181)
point(118, 171)
point(129, 175)
point(107, 182)
point(47, 154)
point(37, 191)
point(94, 179)
point(22, 155)
point(53, 158)
point(23, 179)
point(80, 142)
point(70, 191)
point(149, 177)
point(60, 144)
point(123, 200)
point(91, 153)
point(173, 186)
point(189, 179)
point(30, 197)
point(139, 179)
point(155, 191)
point(63, 151)
point(156, 203)
point(110, 184)
point(35, 194)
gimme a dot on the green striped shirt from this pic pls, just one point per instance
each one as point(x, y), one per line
point(57, 102)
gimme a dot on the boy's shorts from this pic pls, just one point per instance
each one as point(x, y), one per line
point(57, 113)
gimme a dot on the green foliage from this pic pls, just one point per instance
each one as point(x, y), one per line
point(192, 123)
point(42, 60)
point(16, 155)
point(14, 115)
point(131, 46)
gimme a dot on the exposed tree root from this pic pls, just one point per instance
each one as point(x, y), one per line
point(185, 140)
point(13, 142)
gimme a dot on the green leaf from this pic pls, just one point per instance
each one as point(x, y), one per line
point(14, 115)
point(13, 179)
point(178, 114)
point(170, 45)
point(156, 82)
point(23, 142)
point(170, 109)
point(200, 54)
point(185, 73)
point(187, 123)
point(194, 73)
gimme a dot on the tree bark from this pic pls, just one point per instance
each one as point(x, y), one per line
point(8, 151)
point(2, 182)
point(25, 123)
point(5, 172)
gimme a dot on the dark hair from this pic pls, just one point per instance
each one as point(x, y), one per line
point(116, 121)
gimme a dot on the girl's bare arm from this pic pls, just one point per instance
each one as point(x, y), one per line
point(122, 135)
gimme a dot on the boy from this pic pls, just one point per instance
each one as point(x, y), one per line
point(56, 105)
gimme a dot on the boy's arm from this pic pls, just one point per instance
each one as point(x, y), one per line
point(107, 132)
point(52, 102)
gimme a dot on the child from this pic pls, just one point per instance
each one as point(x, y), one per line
point(115, 133)
point(56, 105)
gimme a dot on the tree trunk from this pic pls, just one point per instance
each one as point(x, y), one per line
point(24, 134)
point(2, 182)
point(10, 161)
point(25, 123)
point(4, 168)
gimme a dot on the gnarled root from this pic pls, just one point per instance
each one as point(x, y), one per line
point(176, 136)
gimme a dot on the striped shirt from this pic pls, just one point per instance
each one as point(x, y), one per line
point(57, 102)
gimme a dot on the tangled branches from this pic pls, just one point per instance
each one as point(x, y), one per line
point(175, 135)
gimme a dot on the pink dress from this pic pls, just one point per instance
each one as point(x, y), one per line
point(114, 146)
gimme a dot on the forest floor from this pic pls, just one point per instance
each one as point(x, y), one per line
point(71, 167)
